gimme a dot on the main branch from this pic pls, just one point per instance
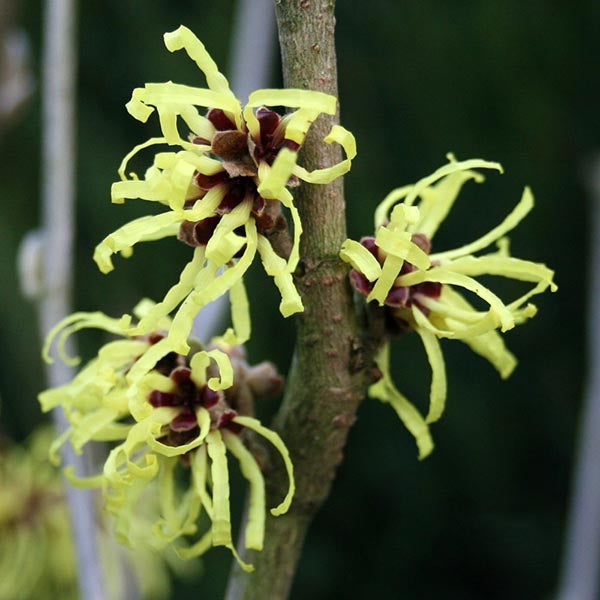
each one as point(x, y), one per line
point(328, 379)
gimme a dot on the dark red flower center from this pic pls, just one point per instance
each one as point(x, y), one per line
point(399, 296)
point(240, 154)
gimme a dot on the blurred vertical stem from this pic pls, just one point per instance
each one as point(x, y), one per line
point(58, 165)
point(323, 393)
point(581, 560)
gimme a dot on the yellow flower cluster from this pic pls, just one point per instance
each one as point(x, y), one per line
point(419, 290)
point(224, 186)
point(37, 559)
point(165, 416)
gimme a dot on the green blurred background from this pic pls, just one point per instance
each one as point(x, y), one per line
point(511, 81)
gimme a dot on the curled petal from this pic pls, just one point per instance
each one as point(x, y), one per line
point(274, 438)
point(386, 391)
point(76, 322)
point(361, 259)
point(452, 167)
point(437, 395)
point(446, 276)
point(255, 527)
point(512, 220)
point(276, 267)
point(343, 137)
point(183, 38)
point(221, 519)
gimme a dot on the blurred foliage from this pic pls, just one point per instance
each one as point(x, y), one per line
point(509, 81)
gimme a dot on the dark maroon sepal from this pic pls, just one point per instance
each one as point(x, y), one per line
point(232, 198)
point(268, 120)
point(369, 243)
point(291, 145)
point(181, 375)
point(220, 120)
point(206, 182)
point(258, 205)
point(431, 289)
point(184, 421)
point(360, 283)
point(154, 338)
point(397, 297)
point(209, 397)
point(158, 399)
point(226, 421)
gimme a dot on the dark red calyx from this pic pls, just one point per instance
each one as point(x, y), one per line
point(369, 243)
point(200, 141)
point(206, 182)
point(209, 398)
point(360, 283)
point(431, 289)
point(398, 297)
point(184, 421)
point(181, 375)
point(220, 120)
point(154, 338)
point(226, 421)
point(158, 399)
point(268, 121)
point(291, 145)
point(258, 205)
point(235, 194)
point(197, 233)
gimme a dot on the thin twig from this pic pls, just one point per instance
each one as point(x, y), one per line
point(58, 163)
point(581, 560)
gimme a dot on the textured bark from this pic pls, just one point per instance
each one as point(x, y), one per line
point(331, 369)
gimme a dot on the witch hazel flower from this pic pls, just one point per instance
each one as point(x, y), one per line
point(224, 185)
point(420, 290)
point(172, 419)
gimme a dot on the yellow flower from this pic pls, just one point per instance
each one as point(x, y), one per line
point(37, 559)
point(172, 417)
point(224, 185)
point(419, 289)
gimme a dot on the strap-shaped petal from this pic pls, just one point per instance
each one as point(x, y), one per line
point(240, 313)
point(343, 137)
point(383, 209)
point(437, 200)
point(452, 167)
point(277, 267)
point(489, 345)
point(76, 322)
point(182, 322)
point(255, 525)
point(310, 104)
point(383, 285)
point(184, 38)
point(437, 394)
point(442, 275)
point(510, 222)
point(386, 391)
point(274, 438)
point(174, 296)
point(221, 519)
point(361, 259)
